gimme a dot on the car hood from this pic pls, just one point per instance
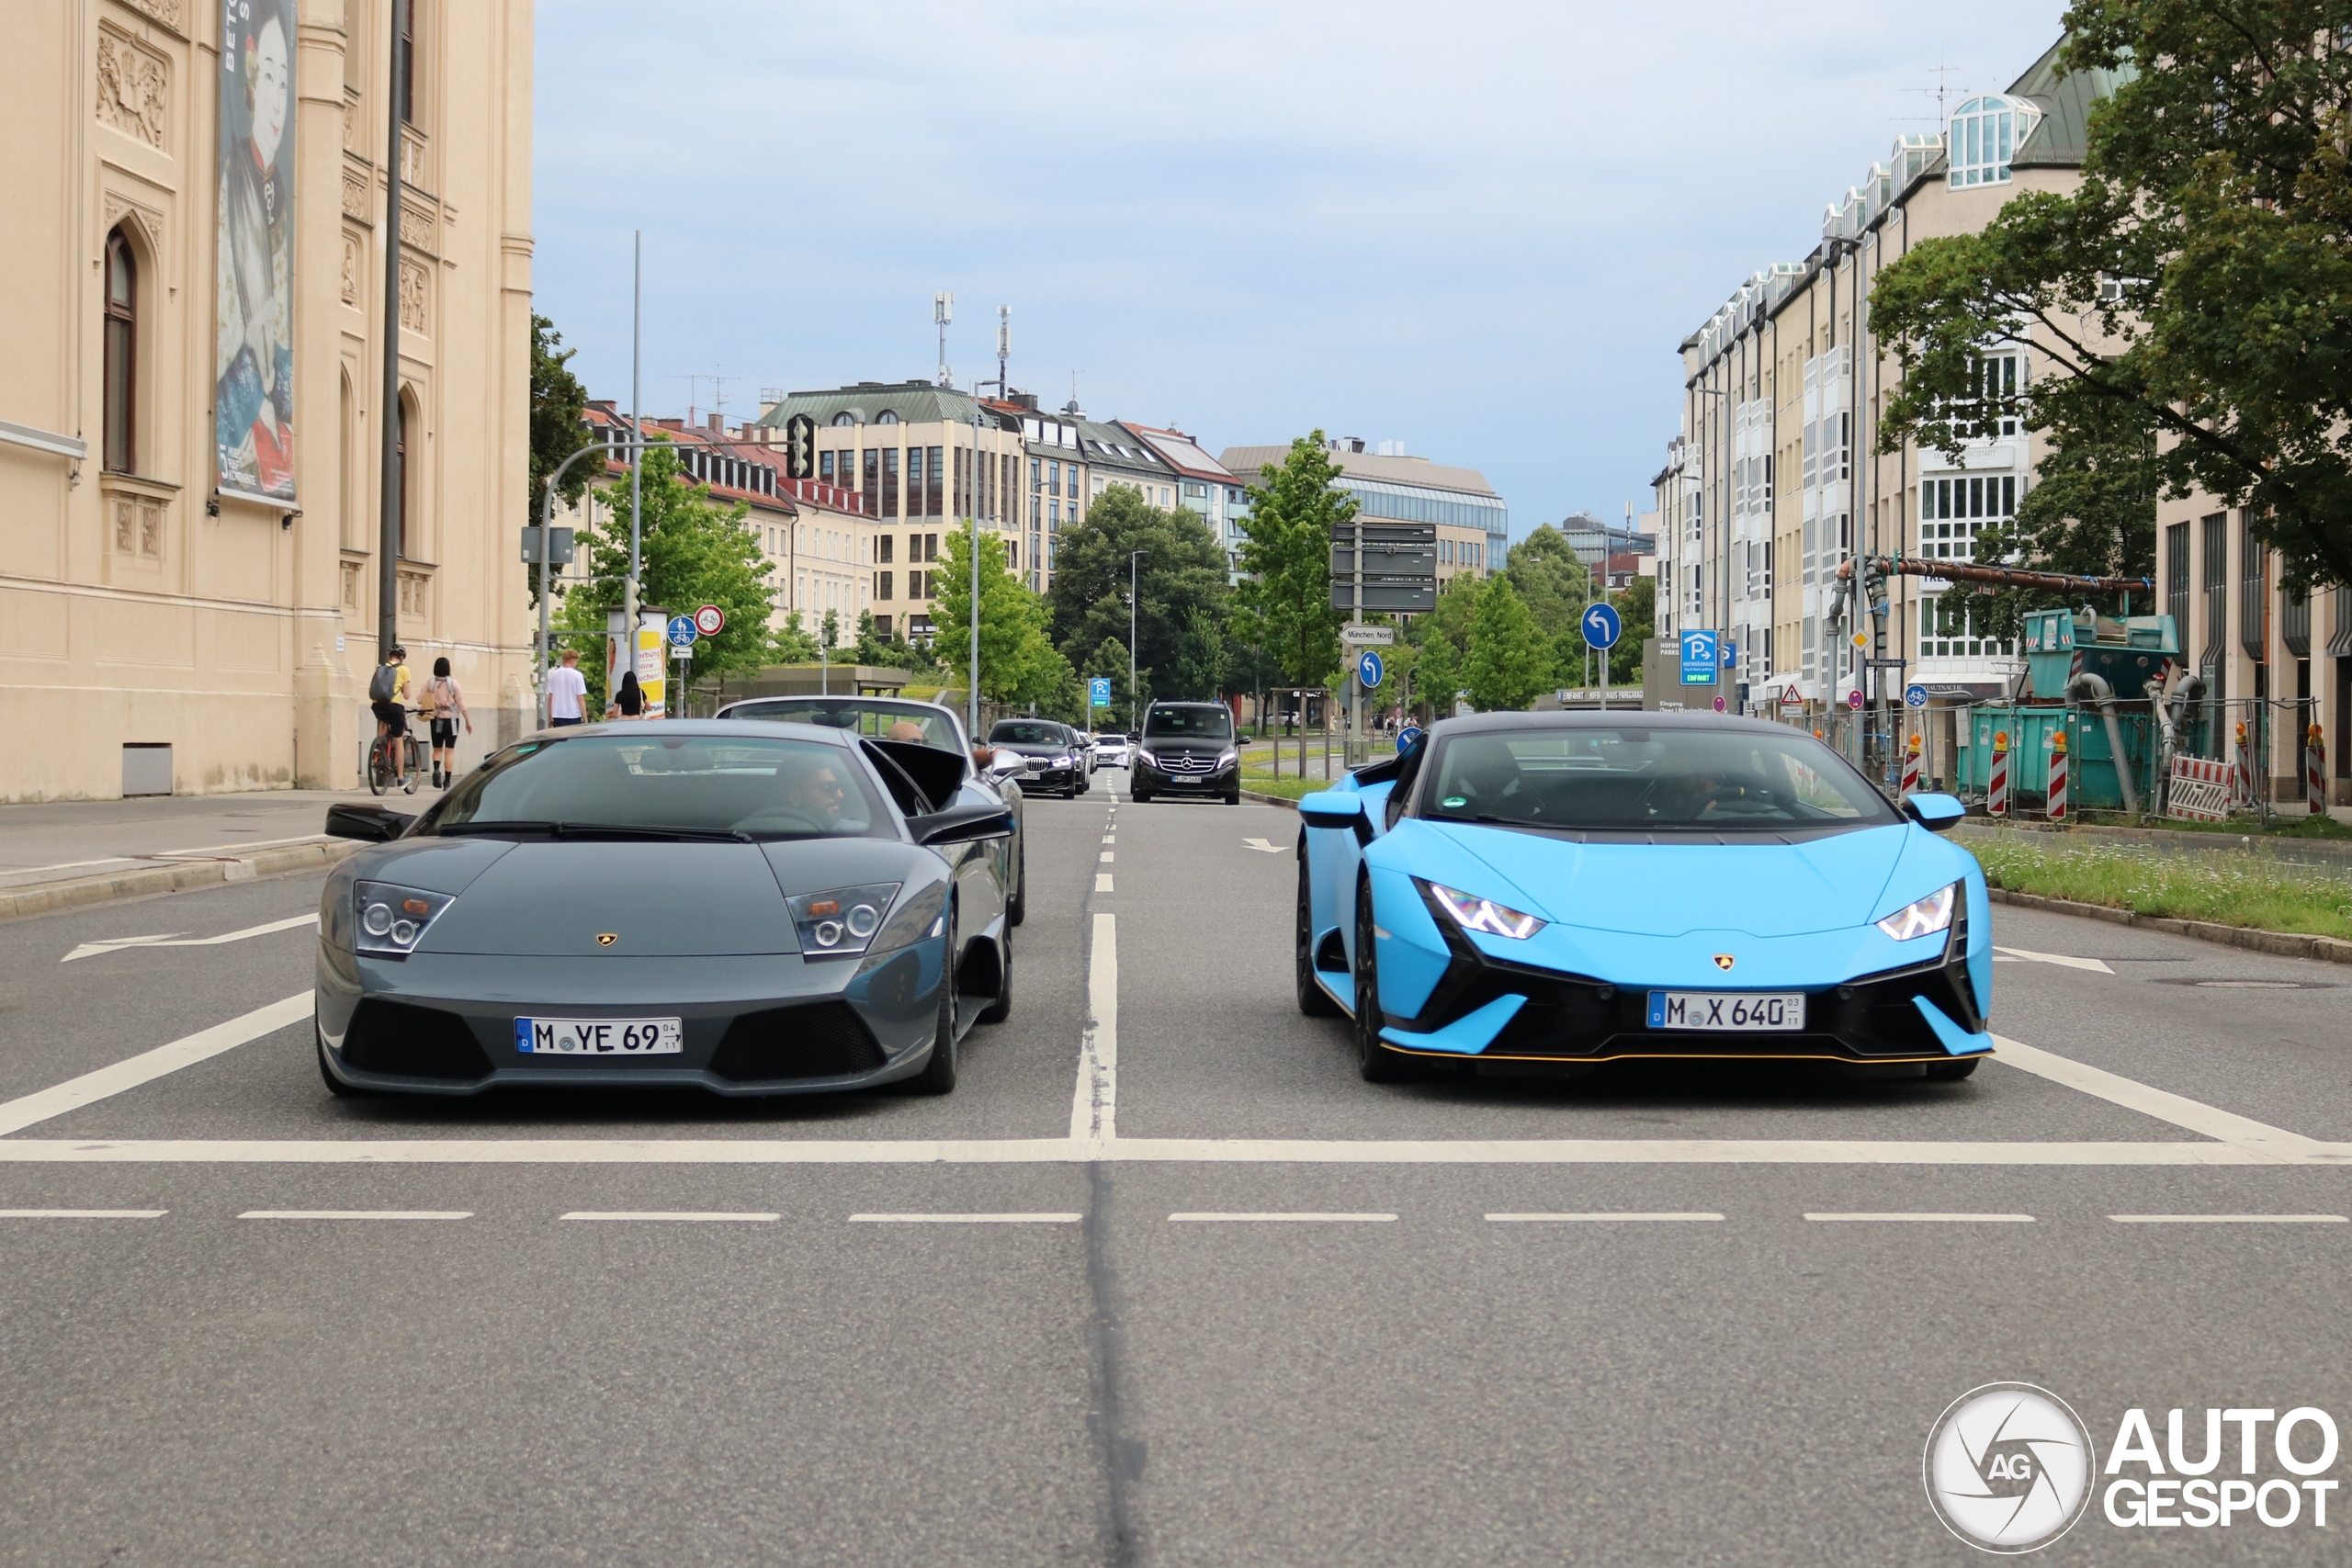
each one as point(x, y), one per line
point(1834, 881)
point(545, 900)
point(1033, 748)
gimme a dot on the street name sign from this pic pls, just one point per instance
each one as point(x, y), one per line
point(1357, 635)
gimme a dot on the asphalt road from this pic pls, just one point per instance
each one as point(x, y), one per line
point(1113, 1366)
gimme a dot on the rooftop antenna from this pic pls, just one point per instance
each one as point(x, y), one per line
point(1940, 92)
point(942, 311)
point(718, 390)
point(1004, 347)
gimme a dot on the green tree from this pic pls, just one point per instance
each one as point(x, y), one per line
point(2188, 306)
point(1109, 660)
point(792, 643)
point(1179, 589)
point(1509, 660)
point(1551, 580)
point(559, 424)
point(696, 552)
point(1019, 664)
point(1287, 558)
point(1437, 674)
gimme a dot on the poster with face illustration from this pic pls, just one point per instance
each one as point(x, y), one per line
point(254, 345)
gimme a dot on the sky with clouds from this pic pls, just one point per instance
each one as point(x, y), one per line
point(1479, 228)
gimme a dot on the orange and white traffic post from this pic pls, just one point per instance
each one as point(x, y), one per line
point(1911, 767)
point(2057, 797)
point(1997, 790)
point(2315, 771)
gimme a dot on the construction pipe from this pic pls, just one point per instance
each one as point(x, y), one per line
point(2095, 688)
point(2180, 688)
point(1996, 576)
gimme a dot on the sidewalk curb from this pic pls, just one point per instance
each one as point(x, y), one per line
point(2282, 945)
point(1269, 799)
point(176, 876)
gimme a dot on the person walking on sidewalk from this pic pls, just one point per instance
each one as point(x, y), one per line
point(443, 709)
point(628, 701)
point(567, 691)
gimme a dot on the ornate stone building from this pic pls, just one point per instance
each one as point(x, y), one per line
point(190, 410)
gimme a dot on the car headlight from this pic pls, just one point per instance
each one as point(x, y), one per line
point(389, 920)
point(1227, 757)
point(1144, 756)
point(1925, 918)
point(1064, 761)
point(841, 923)
point(1484, 915)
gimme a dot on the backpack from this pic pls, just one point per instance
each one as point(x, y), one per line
point(383, 683)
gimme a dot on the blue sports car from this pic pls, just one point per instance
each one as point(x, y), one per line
point(1573, 889)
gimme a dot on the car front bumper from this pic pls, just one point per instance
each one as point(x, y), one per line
point(752, 1025)
point(1489, 1009)
point(1160, 778)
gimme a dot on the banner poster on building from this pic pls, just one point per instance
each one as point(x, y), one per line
point(253, 344)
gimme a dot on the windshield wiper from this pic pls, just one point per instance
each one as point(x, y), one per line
point(603, 830)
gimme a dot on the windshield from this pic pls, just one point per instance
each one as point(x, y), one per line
point(1642, 778)
point(1027, 732)
point(873, 717)
point(1205, 723)
point(665, 786)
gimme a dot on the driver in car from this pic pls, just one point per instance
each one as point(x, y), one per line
point(816, 792)
point(907, 729)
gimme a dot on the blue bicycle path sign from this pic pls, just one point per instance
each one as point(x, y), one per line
point(682, 631)
point(1601, 626)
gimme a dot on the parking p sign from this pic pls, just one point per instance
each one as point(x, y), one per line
point(1699, 659)
point(1098, 691)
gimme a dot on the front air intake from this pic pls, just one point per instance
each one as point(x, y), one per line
point(826, 1040)
point(400, 1041)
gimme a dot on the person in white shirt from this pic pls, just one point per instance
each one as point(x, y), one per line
point(567, 691)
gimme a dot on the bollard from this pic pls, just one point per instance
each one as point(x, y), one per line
point(2057, 797)
point(1997, 791)
point(2242, 773)
point(2315, 772)
point(1911, 766)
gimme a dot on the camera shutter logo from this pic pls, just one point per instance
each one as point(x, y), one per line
point(2008, 1467)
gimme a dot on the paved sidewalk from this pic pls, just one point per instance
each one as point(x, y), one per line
point(70, 840)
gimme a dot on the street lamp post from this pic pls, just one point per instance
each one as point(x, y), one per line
point(547, 524)
point(972, 508)
point(1133, 557)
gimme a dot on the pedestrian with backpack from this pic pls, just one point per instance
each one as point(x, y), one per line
point(443, 709)
point(388, 695)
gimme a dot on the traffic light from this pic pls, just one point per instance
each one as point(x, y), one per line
point(800, 447)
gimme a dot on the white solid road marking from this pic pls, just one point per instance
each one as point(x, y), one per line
point(965, 1219)
point(2256, 1138)
point(186, 1051)
point(82, 1213)
point(2230, 1219)
point(689, 1215)
point(1094, 1103)
point(1925, 1219)
point(1107, 857)
point(1597, 1218)
point(1281, 1219)
point(1102, 882)
point(1261, 846)
point(357, 1215)
point(174, 939)
point(2095, 966)
point(1110, 838)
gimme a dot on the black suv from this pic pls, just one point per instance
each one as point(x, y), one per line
point(1056, 758)
point(1187, 749)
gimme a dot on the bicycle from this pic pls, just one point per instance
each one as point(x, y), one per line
point(383, 764)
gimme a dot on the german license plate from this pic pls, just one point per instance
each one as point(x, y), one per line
point(1734, 1012)
point(600, 1036)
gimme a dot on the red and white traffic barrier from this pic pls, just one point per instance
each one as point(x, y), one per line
point(2057, 795)
point(2315, 772)
point(1911, 767)
point(1997, 791)
point(2201, 790)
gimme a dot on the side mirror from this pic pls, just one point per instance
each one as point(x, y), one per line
point(370, 824)
point(962, 825)
point(1936, 812)
point(1337, 809)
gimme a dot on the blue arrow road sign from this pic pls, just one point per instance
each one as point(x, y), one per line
point(1369, 667)
point(1699, 659)
point(1914, 695)
point(1601, 626)
point(1098, 691)
point(1407, 734)
point(682, 631)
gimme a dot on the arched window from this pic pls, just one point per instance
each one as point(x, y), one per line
point(1984, 134)
point(121, 355)
point(843, 420)
point(401, 471)
point(887, 416)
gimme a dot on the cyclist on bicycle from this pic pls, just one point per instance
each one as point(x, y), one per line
point(391, 680)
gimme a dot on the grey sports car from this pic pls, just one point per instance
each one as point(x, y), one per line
point(748, 907)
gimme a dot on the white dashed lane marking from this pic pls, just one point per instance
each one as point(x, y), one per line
point(965, 1219)
point(1102, 882)
point(1594, 1219)
point(2230, 1219)
point(82, 1213)
point(1925, 1219)
point(689, 1216)
point(357, 1215)
point(1279, 1219)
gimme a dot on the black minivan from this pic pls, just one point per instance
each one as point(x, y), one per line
point(1187, 749)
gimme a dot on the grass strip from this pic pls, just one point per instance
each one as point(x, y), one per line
point(2227, 889)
